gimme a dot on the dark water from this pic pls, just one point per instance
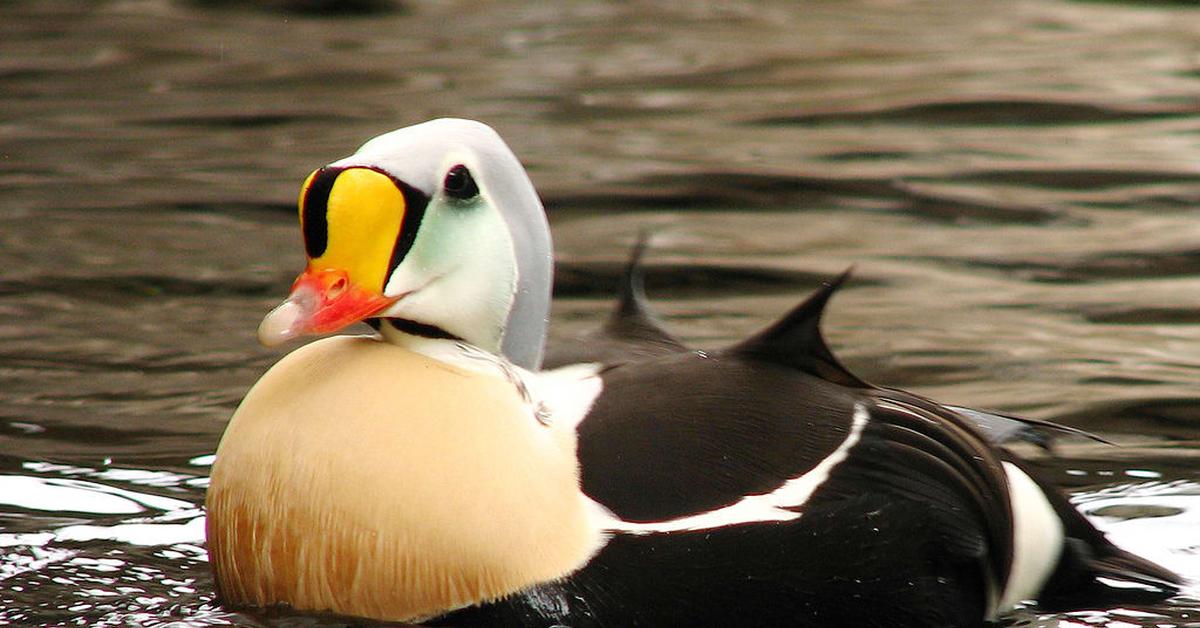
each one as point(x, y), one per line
point(1016, 181)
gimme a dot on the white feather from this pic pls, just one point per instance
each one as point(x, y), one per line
point(1037, 539)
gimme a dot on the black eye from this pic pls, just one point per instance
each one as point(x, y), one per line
point(460, 184)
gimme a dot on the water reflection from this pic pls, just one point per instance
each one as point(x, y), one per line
point(61, 495)
point(1157, 520)
point(112, 551)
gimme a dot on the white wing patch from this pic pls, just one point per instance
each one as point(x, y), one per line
point(778, 505)
point(566, 394)
point(1037, 539)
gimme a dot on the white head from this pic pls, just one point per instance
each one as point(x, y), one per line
point(435, 227)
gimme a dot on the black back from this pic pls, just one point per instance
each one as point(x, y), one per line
point(894, 537)
point(691, 432)
point(912, 528)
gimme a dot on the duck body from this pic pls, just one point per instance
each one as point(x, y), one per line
point(759, 493)
point(433, 473)
point(764, 495)
point(855, 507)
point(728, 510)
point(394, 524)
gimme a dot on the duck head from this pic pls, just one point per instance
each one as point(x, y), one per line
point(432, 230)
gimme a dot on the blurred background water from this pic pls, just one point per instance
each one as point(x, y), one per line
point(1016, 181)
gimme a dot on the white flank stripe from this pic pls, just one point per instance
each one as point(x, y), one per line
point(775, 506)
point(1037, 539)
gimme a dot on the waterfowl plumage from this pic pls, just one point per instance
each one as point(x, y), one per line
point(632, 331)
point(432, 472)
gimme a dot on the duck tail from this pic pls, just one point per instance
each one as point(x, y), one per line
point(1092, 576)
point(1092, 572)
point(1127, 567)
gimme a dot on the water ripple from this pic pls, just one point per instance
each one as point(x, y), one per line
point(985, 112)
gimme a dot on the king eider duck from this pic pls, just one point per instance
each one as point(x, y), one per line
point(432, 473)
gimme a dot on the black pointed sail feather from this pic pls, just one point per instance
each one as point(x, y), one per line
point(796, 340)
point(632, 320)
point(632, 331)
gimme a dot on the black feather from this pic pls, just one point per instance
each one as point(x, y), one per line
point(1001, 428)
point(632, 331)
point(796, 340)
point(632, 319)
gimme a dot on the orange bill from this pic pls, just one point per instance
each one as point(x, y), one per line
point(321, 302)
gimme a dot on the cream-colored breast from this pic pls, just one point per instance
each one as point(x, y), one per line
point(361, 478)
